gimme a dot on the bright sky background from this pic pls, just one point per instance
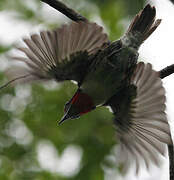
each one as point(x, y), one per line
point(158, 50)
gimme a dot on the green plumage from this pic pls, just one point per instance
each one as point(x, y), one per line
point(110, 72)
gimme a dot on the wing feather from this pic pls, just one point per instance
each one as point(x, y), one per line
point(144, 130)
point(63, 53)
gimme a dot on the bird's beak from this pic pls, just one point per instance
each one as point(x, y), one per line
point(65, 117)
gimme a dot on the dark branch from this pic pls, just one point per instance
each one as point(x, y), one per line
point(70, 13)
point(172, 1)
point(166, 71)
point(171, 161)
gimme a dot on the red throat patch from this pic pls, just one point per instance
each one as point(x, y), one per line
point(83, 102)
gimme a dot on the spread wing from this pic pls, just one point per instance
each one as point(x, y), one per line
point(61, 54)
point(140, 118)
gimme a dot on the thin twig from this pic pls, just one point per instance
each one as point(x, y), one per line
point(70, 13)
point(171, 161)
point(164, 73)
point(20, 77)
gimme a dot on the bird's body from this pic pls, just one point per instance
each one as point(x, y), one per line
point(104, 86)
point(107, 74)
point(98, 84)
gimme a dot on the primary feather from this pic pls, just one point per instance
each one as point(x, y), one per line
point(62, 53)
point(143, 129)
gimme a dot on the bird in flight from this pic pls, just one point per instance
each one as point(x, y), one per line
point(107, 74)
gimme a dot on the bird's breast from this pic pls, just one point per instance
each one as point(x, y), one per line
point(102, 84)
point(109, 75)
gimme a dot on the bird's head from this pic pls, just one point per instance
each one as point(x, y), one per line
point(81, 103)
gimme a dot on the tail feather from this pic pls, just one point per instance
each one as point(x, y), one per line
point(144, 23)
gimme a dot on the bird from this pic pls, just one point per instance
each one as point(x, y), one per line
point(107, 74)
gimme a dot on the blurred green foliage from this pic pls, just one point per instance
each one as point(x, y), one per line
point(27, 120)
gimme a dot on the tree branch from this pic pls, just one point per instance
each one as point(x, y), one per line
point(166, 71)
point(172, 1)
point(171, 161)
point(70, 13)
